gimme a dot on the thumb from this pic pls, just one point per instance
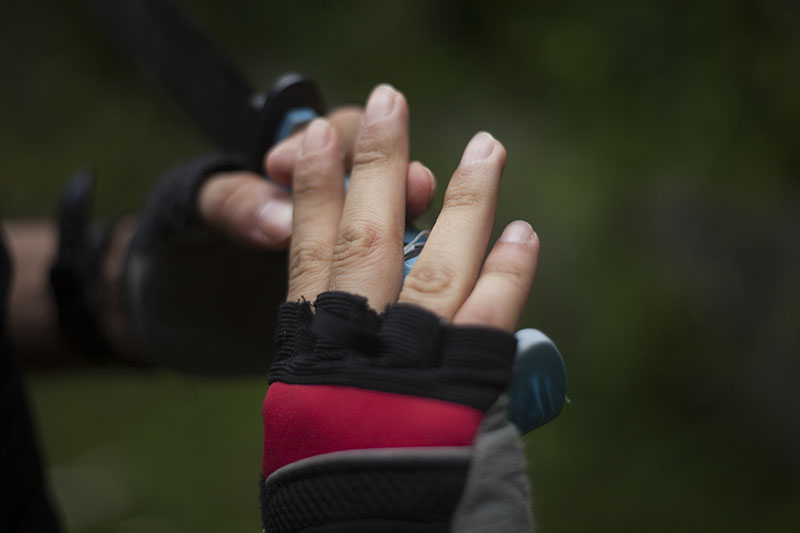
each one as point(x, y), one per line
point(247, 208)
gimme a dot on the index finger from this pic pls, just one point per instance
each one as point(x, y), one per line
point(280, 161)
point(368, 256)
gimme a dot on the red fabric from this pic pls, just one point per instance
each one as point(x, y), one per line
point(305, 420)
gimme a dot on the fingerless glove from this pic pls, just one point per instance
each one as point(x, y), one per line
point(199, 302)
point(379, 423)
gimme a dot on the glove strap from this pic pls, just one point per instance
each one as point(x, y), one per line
point(75, 276)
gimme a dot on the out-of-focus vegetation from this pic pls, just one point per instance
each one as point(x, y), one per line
point(655, 147)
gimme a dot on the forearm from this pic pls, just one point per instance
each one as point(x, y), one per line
point(33, 317)
point(33, 320)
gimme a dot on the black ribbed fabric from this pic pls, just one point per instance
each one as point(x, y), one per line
point(354, 494)
point(415, 352)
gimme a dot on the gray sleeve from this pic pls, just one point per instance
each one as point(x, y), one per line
point(497, 495)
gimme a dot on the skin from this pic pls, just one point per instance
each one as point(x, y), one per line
point(354, 243)
point(259, 213)
point(33, 321)
point(235, 203)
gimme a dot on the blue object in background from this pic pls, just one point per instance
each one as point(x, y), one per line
point(539, 385)
point(294, 118)
point(413, 241)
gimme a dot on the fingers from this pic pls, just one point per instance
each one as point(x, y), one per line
point(420, 189)
point(280, 161)
point(368, 255)
point(446, 270)
point(346, 120)
point(318, 188)
point(247, 208)
point(499, 297)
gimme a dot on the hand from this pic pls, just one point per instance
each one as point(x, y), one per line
point(250, 209)
point(359, 403)
point(355, 243)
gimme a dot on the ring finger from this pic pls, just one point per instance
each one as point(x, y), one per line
point(446, 270)
point(318, 189)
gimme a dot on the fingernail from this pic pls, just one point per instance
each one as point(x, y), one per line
point(517, 232)
point(275, 220)
point(479, 148)
point(433, 183)
point(380, 104)
point(317, 137)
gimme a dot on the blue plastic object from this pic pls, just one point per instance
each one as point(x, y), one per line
point(294, 117)
point(539, 385)
point(414, 240)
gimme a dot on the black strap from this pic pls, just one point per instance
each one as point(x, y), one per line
point(75, 276)
point(344, 333)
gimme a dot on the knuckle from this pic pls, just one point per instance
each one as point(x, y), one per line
point(514, 267)
point(487, 314)
point(374, 146)
point(462, 194)
point(510, 274)
point(428, 279)
point(310, 182)
point(362, 241)
point(307, 260)
point(370, 157)
point(313, 172)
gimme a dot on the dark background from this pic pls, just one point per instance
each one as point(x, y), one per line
point(654, 146)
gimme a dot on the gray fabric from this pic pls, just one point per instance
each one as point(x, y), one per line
point(497, 496)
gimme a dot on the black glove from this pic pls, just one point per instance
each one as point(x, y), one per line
point(199, 302)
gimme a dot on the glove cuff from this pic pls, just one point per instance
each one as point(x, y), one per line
point(407, 350)
point(371, 420)
point(367, 490)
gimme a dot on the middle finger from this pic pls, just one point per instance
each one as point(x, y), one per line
point(368, 255)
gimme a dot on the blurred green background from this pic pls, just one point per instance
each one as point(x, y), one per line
point(655, 147)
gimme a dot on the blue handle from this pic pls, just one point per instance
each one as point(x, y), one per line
point(539, 385)
point(294, 118)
